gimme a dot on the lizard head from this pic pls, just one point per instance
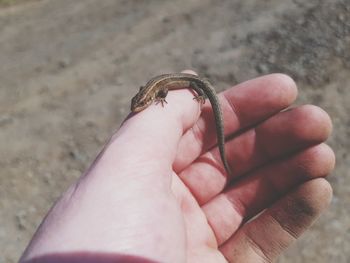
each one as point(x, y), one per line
point(141, 100)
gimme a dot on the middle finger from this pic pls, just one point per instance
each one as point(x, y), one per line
point(280, 136)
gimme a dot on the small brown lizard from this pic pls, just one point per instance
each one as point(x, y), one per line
point(157, 88)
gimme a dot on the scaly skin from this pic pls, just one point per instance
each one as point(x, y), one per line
point(157, 88)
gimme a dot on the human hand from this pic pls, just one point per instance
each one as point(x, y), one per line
point(159, 192)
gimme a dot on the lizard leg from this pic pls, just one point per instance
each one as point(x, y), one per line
point(201, 96)
point(160, 96)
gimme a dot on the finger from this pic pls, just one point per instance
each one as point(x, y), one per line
point(267, 236)
point(248, 197)
point(276, 138)
point(154, 133)
point(244, 105)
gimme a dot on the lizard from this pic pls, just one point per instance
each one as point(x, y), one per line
point(156, 91)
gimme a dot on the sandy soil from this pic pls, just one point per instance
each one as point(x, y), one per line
point(69, 68)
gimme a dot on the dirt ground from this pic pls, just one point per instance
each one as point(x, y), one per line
point(69, 68)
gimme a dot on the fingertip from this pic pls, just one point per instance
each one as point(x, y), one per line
point(314, 162)
point(324, 118)
point(320, 193)
point(306, 204)
point(189, 71)
point(287, 83)
point(314, 122)
point(321, 160)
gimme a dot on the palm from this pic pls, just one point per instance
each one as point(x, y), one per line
point(201, 241)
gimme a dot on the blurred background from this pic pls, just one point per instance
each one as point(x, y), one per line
point(68, 70)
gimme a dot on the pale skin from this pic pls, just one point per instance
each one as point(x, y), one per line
point(159, 193)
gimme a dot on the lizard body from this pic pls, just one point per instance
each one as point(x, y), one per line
point(156, 91)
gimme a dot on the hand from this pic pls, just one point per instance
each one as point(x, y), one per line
point(159, 192)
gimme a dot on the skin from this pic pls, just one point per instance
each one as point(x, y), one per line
point(161, 194)
point(157, 89)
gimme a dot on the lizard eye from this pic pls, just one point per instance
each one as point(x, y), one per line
point(142, 103)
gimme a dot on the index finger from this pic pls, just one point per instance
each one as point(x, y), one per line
point(244, 105)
